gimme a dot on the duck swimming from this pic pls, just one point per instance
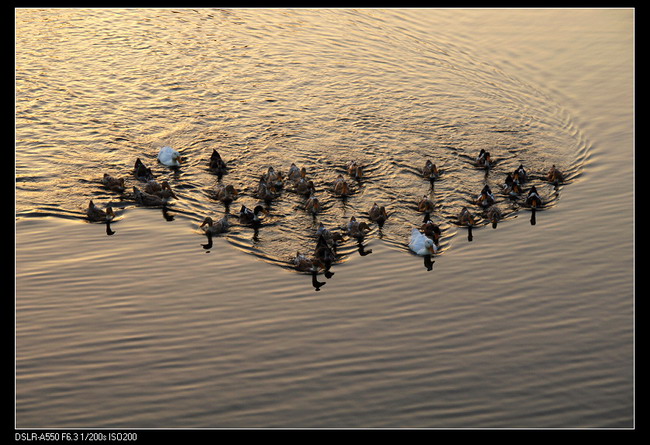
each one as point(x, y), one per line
point(96, 214)
point(148, 200)
point(494, 215)
point(465, 218)
point(355, 170)
point(163, 190)
point(273, 179)
point(554, 176)
point(430, 171)
point(426, 204)
point(305, 187)
point(226, 194)
point(296, 173)
point(432, 230)
point(533, 199)
point(249, 216)
point(510, 187)
point(486, 198)
point(328, 235)
point(483, 159)
point(216, 164)
point(341, 187)
point(519, 175)
point(313, 205)
point(356, 229)
point(421, 244)
point(378, 214)
point(142, 172)
point(169, 157)
point(265, 191)
point(211, 227)
point(112, 183)
point(304, 263)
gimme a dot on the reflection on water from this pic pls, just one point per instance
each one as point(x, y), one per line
point(388, 107)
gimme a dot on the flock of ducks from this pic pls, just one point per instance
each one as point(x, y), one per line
point(424, 240)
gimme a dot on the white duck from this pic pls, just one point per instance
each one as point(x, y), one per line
point(421, 244)
point(169, 157)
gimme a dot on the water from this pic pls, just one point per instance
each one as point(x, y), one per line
point(528, 325)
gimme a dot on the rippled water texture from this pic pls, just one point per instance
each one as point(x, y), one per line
point(98, 88)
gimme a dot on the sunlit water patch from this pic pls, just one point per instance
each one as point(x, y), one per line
point(97, 89)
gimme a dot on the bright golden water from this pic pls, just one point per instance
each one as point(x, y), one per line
point(524, 326)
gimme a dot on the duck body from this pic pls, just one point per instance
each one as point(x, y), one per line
point(313, 205)
point(426, 204)
point(431, 230)
point(483, 159)
point(112, 183)
point(211, 227)
point(304, 186)
point(421, 244)
point(169, 157)
point(266, 191)
point(430, 171)
point(273, 178)
point(356, 229)
point(510, 187)
point(465, 218)
point(378, 214)
point(533, 199)
point(249, 216)
point(216, 164)
point(554, 176)
point(355, 170)
point(162, 190)
point(148, 200)
point(142, 172)
point(327, 234)
point(494, 215)
point(96, 214)
point(226, 194)
point(295, 173)
point(519, 175)
point(341, 186)
point(486, 198)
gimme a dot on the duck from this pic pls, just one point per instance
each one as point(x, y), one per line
point(211, 227)
point(226, 194)
point(355, 170)
point(162, 189)
point(465, 218)
point(421, 244)
point(169, 157)
point(430, 171)
point(483, 159)
point(305, 264)
point(494, 215)
point(533, 199)
point(324, 253)
point(249, 216)
point(356, 229)
point(378, 214)
point(148, 200)
point(305, 187)
point(426, 204)
point(555, 176)
point(96, 214)
point(313, 205)
point(519, 175)
point(265, 191)
point(216, 164)
point(432, 230)
point(273, 178)
point(327, 234)
point(341, 187)
point(510, 187)
point(112, 183)
point(295, 173)
point(486, 198)
point(142, 172)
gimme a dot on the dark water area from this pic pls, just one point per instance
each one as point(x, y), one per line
point(526, 325)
